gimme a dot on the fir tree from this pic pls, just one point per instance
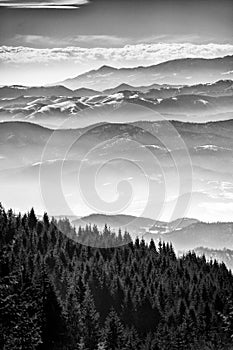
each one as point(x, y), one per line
point(113, 332)
point(90, 322)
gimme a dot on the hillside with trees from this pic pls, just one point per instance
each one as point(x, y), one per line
point(59, 294)
point(225, 255)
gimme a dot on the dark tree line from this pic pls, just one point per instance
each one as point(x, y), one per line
point(56, 293)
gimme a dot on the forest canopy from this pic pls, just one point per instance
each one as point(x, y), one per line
point(56, 293)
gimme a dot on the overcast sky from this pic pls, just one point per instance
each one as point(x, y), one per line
point(47, 41)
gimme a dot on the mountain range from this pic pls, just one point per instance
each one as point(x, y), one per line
point(14, 91)
point(208, 235)
point(181, 71)
point(199, 155)
point(218, 88)
point(156, 140)
point(185, 234)
point(199, 103)
point(136, 226)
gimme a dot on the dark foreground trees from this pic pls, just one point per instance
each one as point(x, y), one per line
point(58, 294)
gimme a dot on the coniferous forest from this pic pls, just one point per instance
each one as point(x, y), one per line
point(56, 293)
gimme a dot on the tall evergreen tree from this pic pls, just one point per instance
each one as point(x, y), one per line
point(89, 322)
point(113, 332)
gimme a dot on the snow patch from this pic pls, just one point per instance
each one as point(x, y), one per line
point(226, 73)
point(203, 101)
point(134, 96)
point(60, 105)
point(214, 148)
point(207, 147)
point(153, 146)
point(117, 96)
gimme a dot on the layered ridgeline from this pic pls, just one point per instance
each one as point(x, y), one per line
point(180, 71)
point(59, 294)
point(51, 106)
point(186, 89)
point(185, 234)
point(214, 240)
point(154, 145)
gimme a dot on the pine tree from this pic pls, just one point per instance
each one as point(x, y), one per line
point(74, 320)
point(52, 320)
point(32, 220)
point(113, 332)
point(90, 322)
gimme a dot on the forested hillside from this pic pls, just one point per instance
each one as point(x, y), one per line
point(225, 255)
point(56, 293)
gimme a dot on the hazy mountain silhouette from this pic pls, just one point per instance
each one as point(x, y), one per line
point(180, 71)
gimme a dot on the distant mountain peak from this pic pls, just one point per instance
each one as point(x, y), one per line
point(125, 86)
point(106, 68)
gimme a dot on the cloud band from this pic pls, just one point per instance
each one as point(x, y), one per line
point(147, 53)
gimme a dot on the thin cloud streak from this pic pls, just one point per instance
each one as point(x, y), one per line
point(78, 40)
point(104, 41)
point(58, 4)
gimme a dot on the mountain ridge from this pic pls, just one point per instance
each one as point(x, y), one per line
point(83, 107)
point(209, 145)
point(177, 71)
